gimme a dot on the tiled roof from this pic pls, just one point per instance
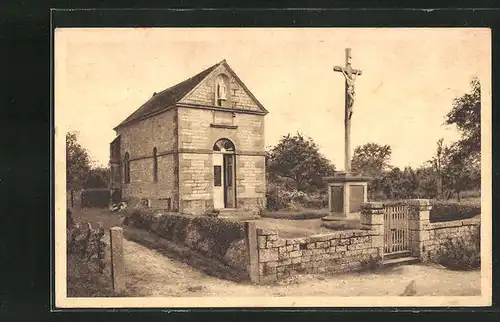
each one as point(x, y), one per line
point(168, 97)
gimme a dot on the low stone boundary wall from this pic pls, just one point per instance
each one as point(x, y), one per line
point(217, 238)
point(433, 235)
point(343, 251)
point(207, 264)
point(265, 257)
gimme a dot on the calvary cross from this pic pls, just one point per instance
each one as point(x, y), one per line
point(350, 76)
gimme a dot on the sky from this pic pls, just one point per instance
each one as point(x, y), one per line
point(410, 77)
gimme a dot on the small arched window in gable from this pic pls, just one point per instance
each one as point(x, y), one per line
point(126, 168)
point(221, 89)
point(155, 165)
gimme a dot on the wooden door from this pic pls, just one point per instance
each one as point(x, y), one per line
point(218, 184)
point(229, 182)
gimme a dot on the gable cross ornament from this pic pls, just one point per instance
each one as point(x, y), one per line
point(350, 76)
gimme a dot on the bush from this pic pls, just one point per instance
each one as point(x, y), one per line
point(372, 263)
point(87, 244)
point(316, 200)
point(209, 235)
point(275, 200)
point(452, 210)
point(462, 253)
point(86, 262)
point(279, 197)
point(99, 197)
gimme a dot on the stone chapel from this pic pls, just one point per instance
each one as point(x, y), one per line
point(194, 146)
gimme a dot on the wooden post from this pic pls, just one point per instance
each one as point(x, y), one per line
point(117, 265)
point(252, 251)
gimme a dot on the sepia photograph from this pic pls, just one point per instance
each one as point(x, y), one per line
point(272, 167)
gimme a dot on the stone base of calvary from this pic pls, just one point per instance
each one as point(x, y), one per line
point(346, 192)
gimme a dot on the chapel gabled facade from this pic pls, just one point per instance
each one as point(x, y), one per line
point(196, 145)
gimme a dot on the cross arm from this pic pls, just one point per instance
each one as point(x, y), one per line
point(342, 69)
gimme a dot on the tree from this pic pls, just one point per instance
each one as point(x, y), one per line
point(391, 183)
point(409, 184)
point(77, 164)
point(459, 172)
point(297, 159)
point(371, 159)
point(461, 160)
point(434, 167)
point(466, 115)
point(98, 177)
point(427, 182)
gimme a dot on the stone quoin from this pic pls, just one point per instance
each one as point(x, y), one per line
point(194, 146)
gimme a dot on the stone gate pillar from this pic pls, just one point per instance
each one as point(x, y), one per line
point(372, 219)
point(418, 226)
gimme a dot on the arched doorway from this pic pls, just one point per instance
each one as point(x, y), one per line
point(224, 186)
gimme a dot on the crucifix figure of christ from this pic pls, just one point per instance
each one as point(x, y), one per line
point(350, 75)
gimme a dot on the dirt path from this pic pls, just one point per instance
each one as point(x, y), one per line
point(150, 273)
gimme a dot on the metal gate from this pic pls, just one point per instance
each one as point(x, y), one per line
point(396, 229)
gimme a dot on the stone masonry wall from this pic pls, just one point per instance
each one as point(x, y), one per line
point(251, 178)
point(204, 94)
point(341, 251)
point(196, 140)
point(139, 139)
point(195, 182)
point(142, 184)
point(196, 132)
point(434, 235)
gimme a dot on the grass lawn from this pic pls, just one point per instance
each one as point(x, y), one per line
point(299, 214)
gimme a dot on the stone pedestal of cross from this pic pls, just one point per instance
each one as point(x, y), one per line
point(346, 192)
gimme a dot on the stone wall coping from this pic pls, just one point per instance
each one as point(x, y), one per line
point(332, 180)
point(372, 205)
point(455, 223)
point(318, 237)
point(411, 202)
point(263, 231)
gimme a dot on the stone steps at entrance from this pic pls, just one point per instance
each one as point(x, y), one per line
point(403, 253)
point(400, 261)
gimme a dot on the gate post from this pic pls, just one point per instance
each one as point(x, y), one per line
point(419, 225)
point(117, 265)
point(252, 251)
point(372, 219)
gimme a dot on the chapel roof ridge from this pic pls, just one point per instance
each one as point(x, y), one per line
point(168, 96)
point(164, 99)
